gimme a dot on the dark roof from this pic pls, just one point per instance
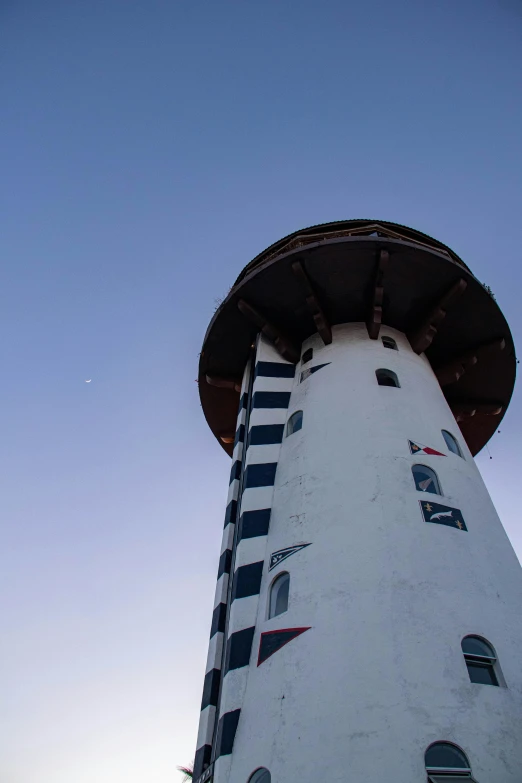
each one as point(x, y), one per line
point(340, 260)
point(343, 228)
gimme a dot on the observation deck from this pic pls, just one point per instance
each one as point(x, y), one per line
point(374, 272)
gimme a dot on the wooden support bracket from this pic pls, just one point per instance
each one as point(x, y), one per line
point(464, 409)
point(422, 338)
point(451, 372)
point(224, 383)
point(373, 324)
point(284, 346)
point(313, 304)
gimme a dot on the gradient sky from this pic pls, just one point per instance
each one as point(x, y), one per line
point(149, 151)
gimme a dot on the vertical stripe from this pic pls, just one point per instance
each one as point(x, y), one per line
point(261, 475)
point(216, 656)
point(240, 435)
point(231, 513)
point(263, 434)
point(224, 562)
point(218, 619)
point(211, 688)
point(275, 370)
point(235, 471)
point(271, 390)
point(271, 399)
point(239, 647)
point(227, 732)
point(202, 760)
point(254, 523)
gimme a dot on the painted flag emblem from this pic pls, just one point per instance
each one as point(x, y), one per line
point(282, 554)
point(272, 641)
point(442, 515)
point(310, 371)
point(418, 448)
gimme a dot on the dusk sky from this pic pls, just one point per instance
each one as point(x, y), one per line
point(149, 151)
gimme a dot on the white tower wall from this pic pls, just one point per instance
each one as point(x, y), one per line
point(387, 597)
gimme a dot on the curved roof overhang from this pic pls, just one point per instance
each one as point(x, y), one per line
point(364, 271)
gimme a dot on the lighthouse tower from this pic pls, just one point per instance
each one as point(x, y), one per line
point(367, 623)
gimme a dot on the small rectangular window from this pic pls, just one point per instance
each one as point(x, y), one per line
point(387, 378)
point(481, 673)
point(295, 422)
point(389, 342)
point(452, 443)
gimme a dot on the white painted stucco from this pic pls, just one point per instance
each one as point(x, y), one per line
point(380, 674)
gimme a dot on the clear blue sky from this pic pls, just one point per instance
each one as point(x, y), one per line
point(149, 150)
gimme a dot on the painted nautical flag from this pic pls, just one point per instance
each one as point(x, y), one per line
point(310, 371)
point(418, 448)
point(282, 554)
point(272, 641)
point(442, 515)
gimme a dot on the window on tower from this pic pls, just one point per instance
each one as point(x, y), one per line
point(295, 422)
point(279, 592)
point(480, 659)
point(445, 763)
point(308, 354)
point(426, 479)
point(389, 342)
point(261, 775)
point(452, 443)
point(387, 378)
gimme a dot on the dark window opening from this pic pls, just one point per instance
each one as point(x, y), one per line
point(480, 673)
point(261, 775)
point(389, 342)
point(308, 354)
point(426, 479)
point(295, 422)
point(452, 443)
point(387, 378)
point(480, 660)
point(445, 763)
point(279, 593)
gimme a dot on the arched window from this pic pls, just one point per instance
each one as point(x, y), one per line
point(445, 763)
point(279, 595)
point(261, 775)
point(389, 342)
point(308, 354)
point(480, 659)
point(452, 443)
point(295, 422)
point(426, 479)
point(387, 378)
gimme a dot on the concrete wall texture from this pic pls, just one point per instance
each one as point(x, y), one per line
point(386, 596)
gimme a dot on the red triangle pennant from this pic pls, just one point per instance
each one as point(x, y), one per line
point(418, 448)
